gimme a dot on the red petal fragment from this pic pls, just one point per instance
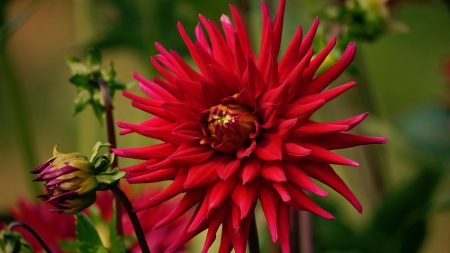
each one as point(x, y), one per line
point(201, 65)
point(228, 166)
point(185, 235)
point(325, 174)
point(140, 167)
point(175, 188)
point(192, 93)
point(301, 201)
point(154, 90)
point(307, 41)
point(318, 60)
point(212, 92)
point(270, 203)
point(273, 171)
point(158, 151)
point(218, 216)
point(253, 78)
point(293, 111)
point(152, 176)
point(163, 133)
point(245, 196)
point(165, 74)
point(293, 151)
point(345, 140)
point(249, 169)
point(191, 152)
point(278, 27)
point(312, 128)
point(284, 128)
point(240, 241)
point(227, 80)
point(180, 112)
point(269, 148)
point(284, 219)
point(240, 61)
point(219, 191)
point(242, 31)
point(189, 131)
point(225, 241)
point(203, 173)
point(268, 114)
point(187, 202)
point(281, 189)
point(201, 216)
point(298, 177)
point(322, 81)
point(351, 122)
point(324, 155)
point(326, 95)
point(290, 57)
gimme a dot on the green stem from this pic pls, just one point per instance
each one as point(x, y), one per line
point(120, 195)
point(306, 232)
point(112, 141)
point(32, 231)
point(295, 231)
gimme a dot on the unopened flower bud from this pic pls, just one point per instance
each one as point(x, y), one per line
point(70, 182)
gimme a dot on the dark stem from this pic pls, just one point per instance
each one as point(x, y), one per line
point(295, 233)
point(120, 195)
point(32, 231)
point(112, 141)
point(253, 241)
point(306, 232)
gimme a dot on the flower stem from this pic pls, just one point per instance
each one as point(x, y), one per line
point(32, 231)
point(253, 241)
point(306, 232)
point(112, 141)
point(295, 232)
point(120, 195)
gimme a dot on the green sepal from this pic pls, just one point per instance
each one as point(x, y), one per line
point(80, 81)
point(96, 148)
point(13, 242)
point(108, 179)
point(76, 66)
point(88, 239)
point(117, 245)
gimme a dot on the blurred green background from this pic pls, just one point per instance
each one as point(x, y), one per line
point(402, 84)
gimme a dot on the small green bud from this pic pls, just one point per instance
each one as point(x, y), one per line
point(13, 242)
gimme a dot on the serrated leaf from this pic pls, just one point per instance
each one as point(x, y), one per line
point(87, 235)
point(117, 245)
point(94, 60)
point(76, 66)
point(110, 177)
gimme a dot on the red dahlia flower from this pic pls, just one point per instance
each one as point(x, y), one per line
point(239, 130)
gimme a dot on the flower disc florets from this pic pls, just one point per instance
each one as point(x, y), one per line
point(229, 126)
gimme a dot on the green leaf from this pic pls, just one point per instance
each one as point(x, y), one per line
point(81, 100)
point(76, 66)
point(87, 235)
point(70, 246)
point(110, 177)
point(117, 245)
point(94, 60)
point(80, 81)
point(99, 110)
